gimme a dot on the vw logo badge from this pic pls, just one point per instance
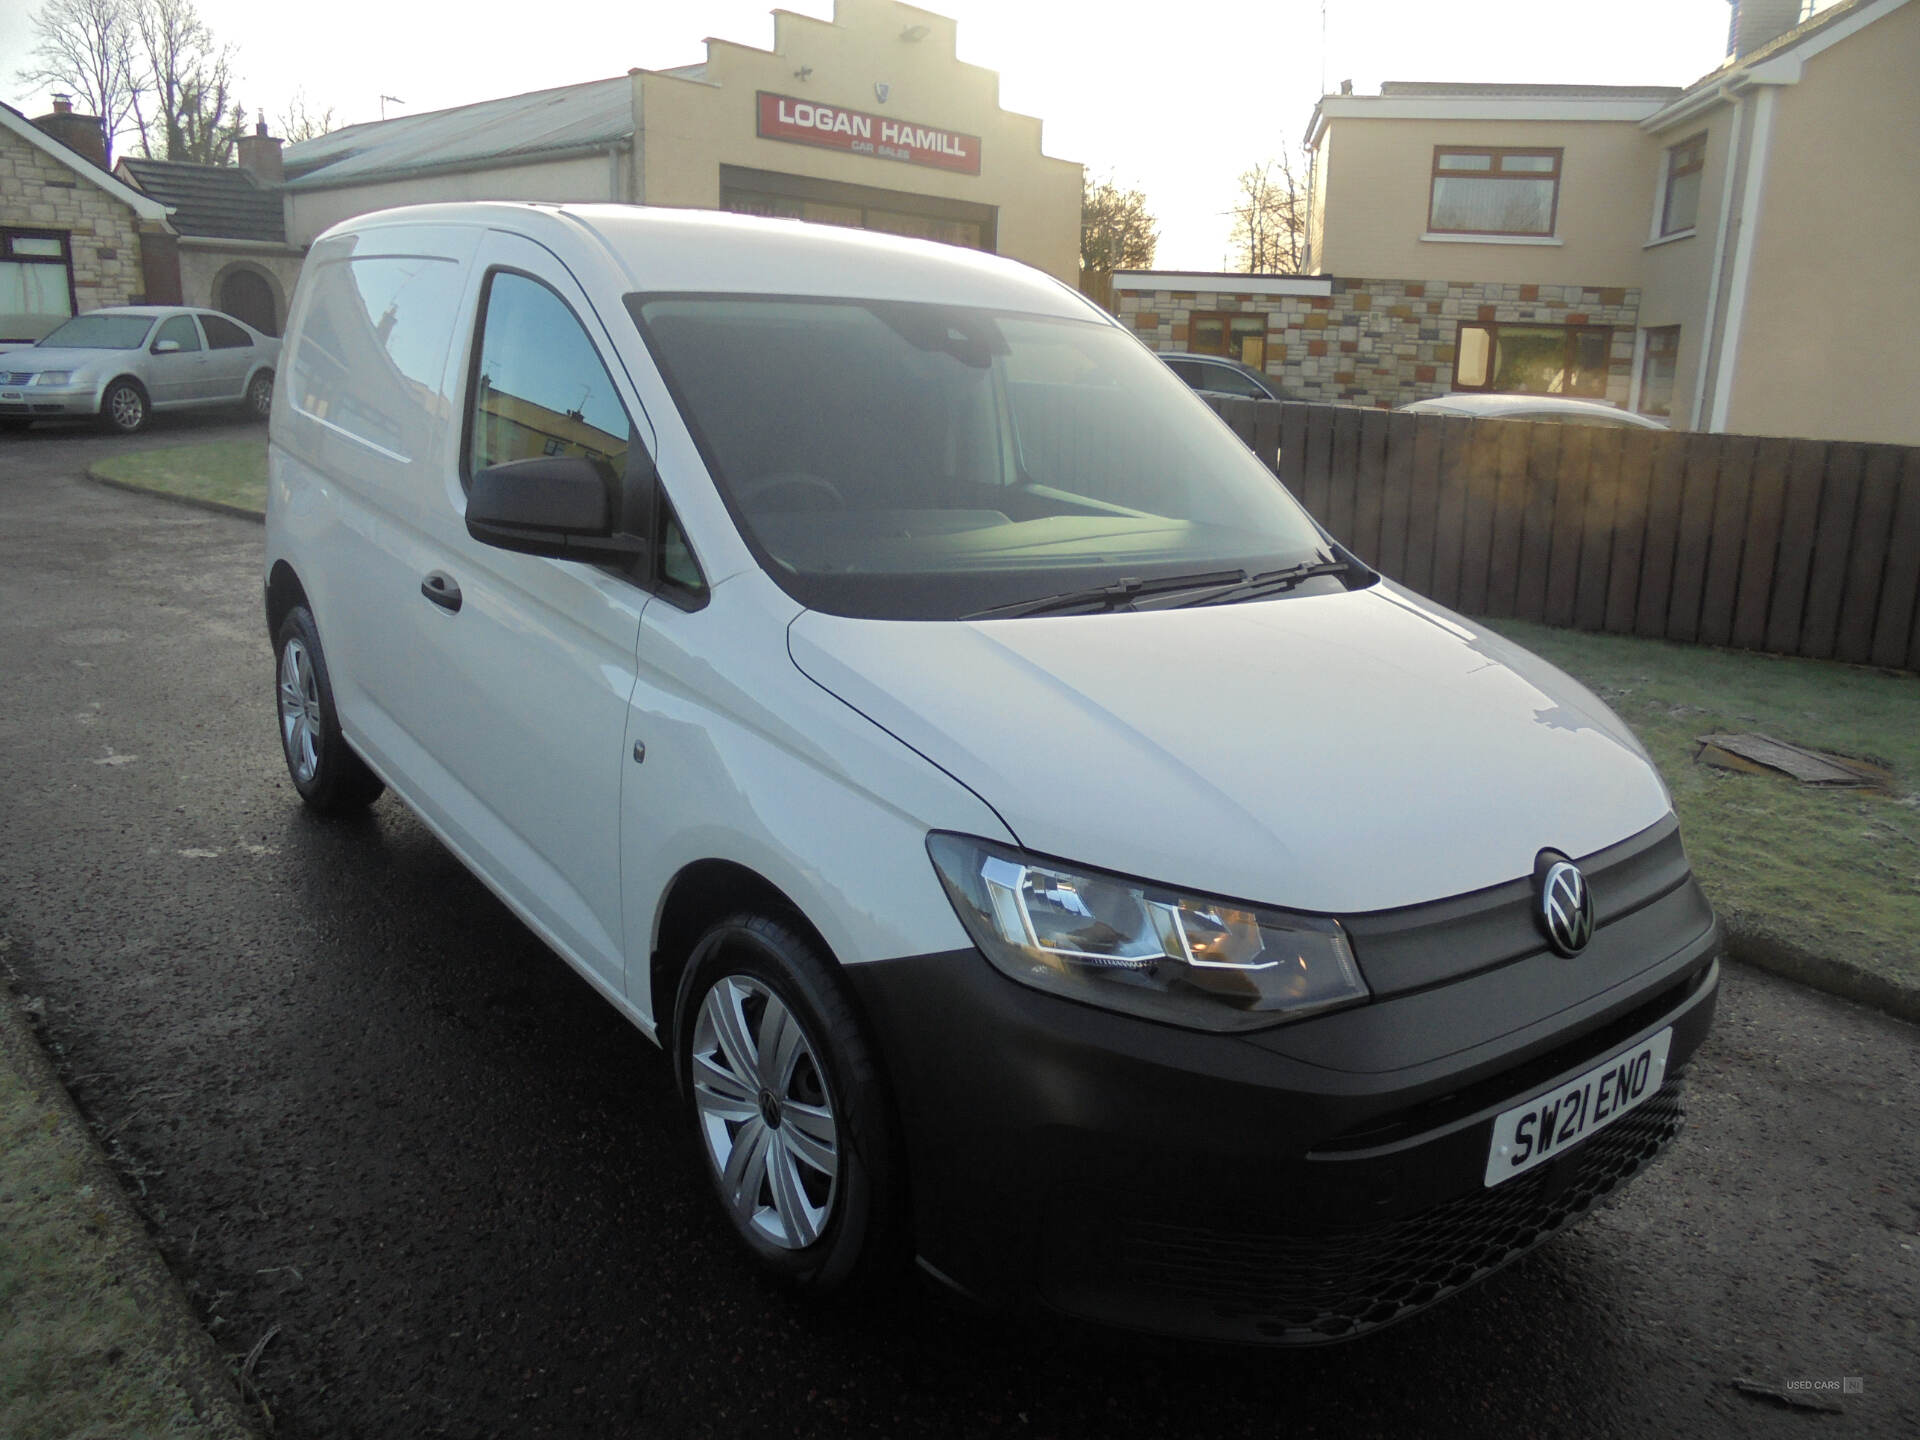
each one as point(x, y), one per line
point(1565, 905)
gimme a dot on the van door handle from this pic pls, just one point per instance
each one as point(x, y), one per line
point(442, 589)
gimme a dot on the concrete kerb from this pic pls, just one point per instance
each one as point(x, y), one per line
point(1754, 946)
point(218, 507)
point(1895, 995)
point(187, 1351)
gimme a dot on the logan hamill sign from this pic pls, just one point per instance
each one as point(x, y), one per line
point(806, 122)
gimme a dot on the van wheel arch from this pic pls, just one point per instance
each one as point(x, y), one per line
point(699, 897)
point(284, 591)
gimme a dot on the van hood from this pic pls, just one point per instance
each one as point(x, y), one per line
point(1335, 753)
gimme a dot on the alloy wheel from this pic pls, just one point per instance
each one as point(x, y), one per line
point(300, 710)
point(129, 411)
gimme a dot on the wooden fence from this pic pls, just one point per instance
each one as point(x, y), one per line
point(1802, 547)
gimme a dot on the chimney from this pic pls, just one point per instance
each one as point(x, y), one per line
point(1759, 22)
point(80, 133)
point(259, 155)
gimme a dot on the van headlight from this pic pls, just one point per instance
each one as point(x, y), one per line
point(1130, 946)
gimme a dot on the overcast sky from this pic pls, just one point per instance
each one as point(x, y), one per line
point(1174, 99)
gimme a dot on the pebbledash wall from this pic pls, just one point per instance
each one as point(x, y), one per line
point(1369, 342)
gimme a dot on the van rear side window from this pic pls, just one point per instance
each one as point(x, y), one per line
point(373, 346)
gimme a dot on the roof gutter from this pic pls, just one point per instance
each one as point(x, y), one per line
point(318, 179)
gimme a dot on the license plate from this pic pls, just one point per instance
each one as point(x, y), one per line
point(1555, 1121)
point(11, 395)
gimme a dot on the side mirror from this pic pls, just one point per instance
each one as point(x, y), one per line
point(560, 506)
point(166, 347)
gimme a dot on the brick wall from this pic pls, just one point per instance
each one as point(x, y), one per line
point(1384, 342)
point(38, 191)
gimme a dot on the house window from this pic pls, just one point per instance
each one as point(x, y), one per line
point(1532, 359)
point(1238, 337)
point(1657, 363)
point(1494, 192)
point(1681, 203)
point(36, 283)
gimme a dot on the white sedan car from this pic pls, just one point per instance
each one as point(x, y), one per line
point(124, 363)
point(1559, 409)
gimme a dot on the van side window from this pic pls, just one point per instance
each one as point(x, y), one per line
point(679, 571)
point(539, 387)
point(373, 348)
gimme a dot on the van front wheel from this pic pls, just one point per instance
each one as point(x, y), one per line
point(329, 776)
point(788, 1106)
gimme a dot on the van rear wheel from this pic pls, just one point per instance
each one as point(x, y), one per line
point(331, 779)
point(788, 1106)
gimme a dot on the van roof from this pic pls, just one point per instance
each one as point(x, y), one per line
point(715, 252)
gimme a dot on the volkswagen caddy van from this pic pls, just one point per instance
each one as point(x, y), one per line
point(1048, 858)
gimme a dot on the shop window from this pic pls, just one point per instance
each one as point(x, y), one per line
point(36, 283)
point(1657, 364)
point(1680, 202)
point(1238, 337)
point(1494, 192)
point(1533, 359)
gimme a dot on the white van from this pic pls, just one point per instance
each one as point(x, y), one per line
point(1043, 852)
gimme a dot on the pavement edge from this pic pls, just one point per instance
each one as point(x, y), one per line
point(1891, 994)
point(218, 507)
point(190, 1356)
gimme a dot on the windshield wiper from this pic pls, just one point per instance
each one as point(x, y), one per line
point(1119, 595)
point(1289, 577)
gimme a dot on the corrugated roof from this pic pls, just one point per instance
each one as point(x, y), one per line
point(214, 200)
point(1437, 89)
point(598, 112)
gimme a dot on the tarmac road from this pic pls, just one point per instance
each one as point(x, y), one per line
point(357, 1101)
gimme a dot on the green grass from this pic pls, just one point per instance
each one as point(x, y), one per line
point(231, 472)
point(1834, 873)
point(79, 1355)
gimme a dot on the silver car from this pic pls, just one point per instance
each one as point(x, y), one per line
point(124, 363)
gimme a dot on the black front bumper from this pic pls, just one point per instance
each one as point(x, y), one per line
point(1295, 1185)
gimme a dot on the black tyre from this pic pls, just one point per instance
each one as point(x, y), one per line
point(124, 409)
point(259, 400)
point(329, 776)
point(788, 1106)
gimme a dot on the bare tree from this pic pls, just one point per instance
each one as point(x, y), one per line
point(300, 121)
point(92, 48)
point(1270, 218)
point(191, 78)
point(1116, 232)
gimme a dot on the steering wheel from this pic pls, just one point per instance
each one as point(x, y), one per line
point(755, 492)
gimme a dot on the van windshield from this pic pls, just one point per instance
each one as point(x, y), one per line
point(921, 461)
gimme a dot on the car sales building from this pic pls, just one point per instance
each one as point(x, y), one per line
point(869, 120)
